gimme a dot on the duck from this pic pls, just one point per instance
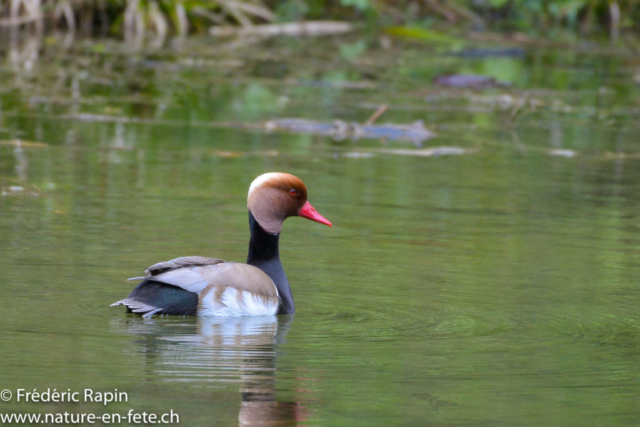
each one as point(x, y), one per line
point(212, 287)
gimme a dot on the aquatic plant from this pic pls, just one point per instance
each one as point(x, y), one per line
point(134, 18)
point(523, 15)
point(139, 18)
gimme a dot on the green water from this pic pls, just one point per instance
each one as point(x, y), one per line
point(498, 287)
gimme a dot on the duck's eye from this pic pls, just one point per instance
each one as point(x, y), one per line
point(293, 191)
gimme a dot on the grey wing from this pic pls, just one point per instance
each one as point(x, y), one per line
point(230, 274)
point(175, 264)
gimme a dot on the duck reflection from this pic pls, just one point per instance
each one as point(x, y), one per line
point(222, 350)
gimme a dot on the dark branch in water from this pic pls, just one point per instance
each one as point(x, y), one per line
point(375, 116)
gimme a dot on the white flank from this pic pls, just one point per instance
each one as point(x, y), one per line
point(259, 181)
point(250, 305)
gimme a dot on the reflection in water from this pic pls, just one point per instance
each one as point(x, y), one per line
point(222, 350)
point(22, 54)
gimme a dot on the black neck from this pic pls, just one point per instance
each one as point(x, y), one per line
point(264, 254)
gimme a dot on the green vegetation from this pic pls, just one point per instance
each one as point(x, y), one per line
point(162, 17)
point(131, 17)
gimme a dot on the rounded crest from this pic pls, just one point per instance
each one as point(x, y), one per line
point(275, 196)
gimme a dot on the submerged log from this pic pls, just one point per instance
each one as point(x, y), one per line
point(338, 129)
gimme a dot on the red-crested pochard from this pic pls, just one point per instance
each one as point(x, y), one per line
point(213, 287)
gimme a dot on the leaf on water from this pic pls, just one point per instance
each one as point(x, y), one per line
point(22, 143)
point(423, 34)
point(228, 154)
point(563, 153)
point(20, 190)
point(358, 155)
point(269, 153)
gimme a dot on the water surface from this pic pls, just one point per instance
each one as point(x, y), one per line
point(497, 287)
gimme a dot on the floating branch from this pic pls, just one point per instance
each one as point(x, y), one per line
point(307, 28)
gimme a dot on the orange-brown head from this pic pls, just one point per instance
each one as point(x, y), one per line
point(275, 196)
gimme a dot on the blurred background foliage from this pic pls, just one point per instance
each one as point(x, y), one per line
point(180, 17)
